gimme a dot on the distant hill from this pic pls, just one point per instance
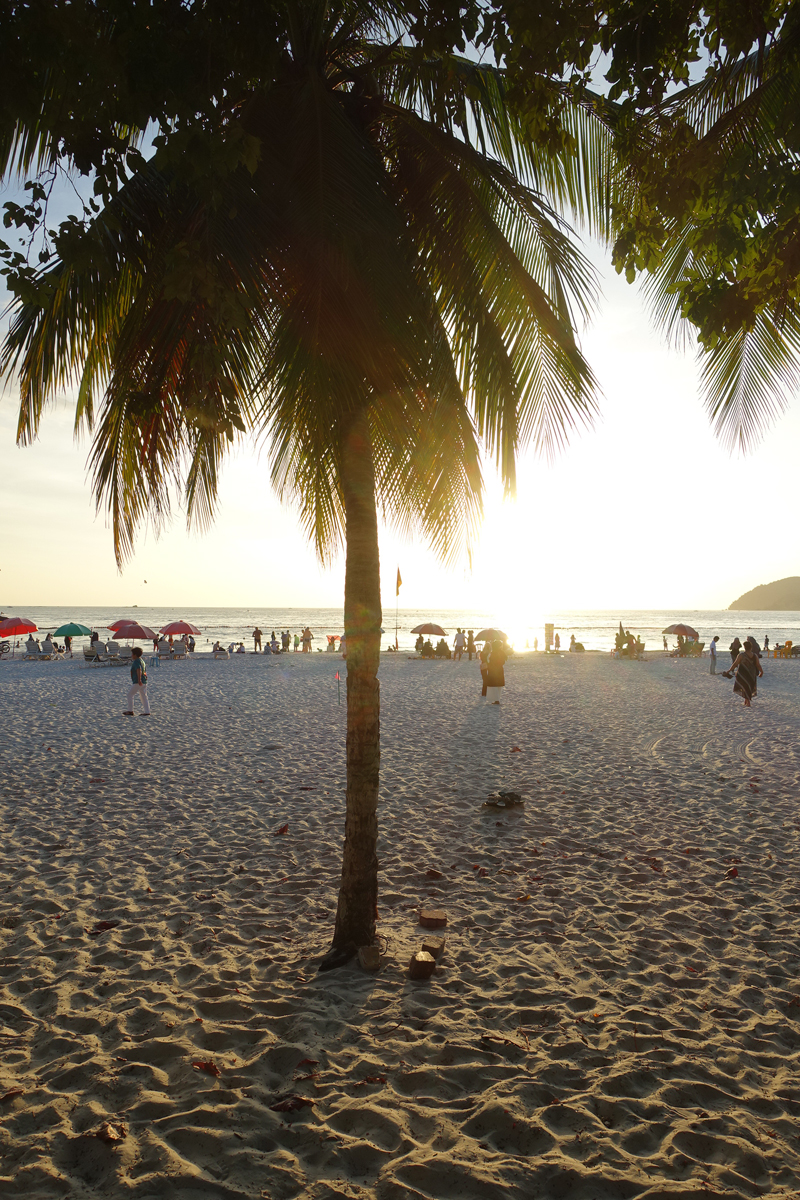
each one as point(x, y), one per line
point(781, 596)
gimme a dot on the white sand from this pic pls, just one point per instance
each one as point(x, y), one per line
point(632, 1029)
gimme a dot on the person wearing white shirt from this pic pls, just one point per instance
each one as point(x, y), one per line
point(712, 650)
point(459, 642)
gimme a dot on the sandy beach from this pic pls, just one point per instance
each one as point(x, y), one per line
point(617, 1010)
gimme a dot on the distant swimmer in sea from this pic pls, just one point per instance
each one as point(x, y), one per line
point(746, 671)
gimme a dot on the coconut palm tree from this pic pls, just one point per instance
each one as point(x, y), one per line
point(359, 264)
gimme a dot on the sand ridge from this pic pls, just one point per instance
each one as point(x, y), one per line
point(614, 1016)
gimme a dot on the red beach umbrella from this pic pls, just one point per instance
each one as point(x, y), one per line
point(429, 628)
point(132, 629)
point(114, 625)
point(179, 627)
point(12, 625)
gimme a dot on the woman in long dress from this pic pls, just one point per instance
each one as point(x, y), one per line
point(495, 676)
point(747, 671)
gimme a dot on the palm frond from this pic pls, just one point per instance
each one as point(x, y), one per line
point(750, 378)
point(505, 279)
point(470, 100)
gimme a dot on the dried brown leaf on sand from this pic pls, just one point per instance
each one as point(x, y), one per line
point(210, 1067)
point(102, 927)
point(292, 1102)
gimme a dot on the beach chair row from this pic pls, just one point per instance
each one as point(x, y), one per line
point(37, 654)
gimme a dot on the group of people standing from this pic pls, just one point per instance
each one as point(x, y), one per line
point(491, 658)
point(273, 646)
point(745, 668)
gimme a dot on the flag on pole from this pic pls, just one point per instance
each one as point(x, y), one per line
point(399, 582)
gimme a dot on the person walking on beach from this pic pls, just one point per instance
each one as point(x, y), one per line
point(747, 671)
point(307, 636)
point(495, 675)
point(459, 641)
point(712, 650)
point(296, 642)
point(256, 640)
point(470, 645)
point(138, 684)
point(766, 643)
point(483, 660)
point(735, 647)
point(557, 644)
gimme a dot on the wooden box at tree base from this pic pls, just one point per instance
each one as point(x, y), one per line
point(369, 958)
point(422, 965)
point(432, 918)
point(434, 946)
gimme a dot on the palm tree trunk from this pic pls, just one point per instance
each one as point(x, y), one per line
point(358, 895)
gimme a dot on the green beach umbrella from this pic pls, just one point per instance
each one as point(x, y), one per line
point(71, 629)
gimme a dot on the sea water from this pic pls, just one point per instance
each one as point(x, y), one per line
point(595, 630)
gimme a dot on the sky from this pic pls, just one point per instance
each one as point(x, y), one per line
point(644, 510)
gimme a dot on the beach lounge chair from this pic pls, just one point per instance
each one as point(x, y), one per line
point(221, 654)
point(125, 653)
point(179, 650)
point(36, 655)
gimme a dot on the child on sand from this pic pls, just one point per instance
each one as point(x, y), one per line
point(138, 684)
